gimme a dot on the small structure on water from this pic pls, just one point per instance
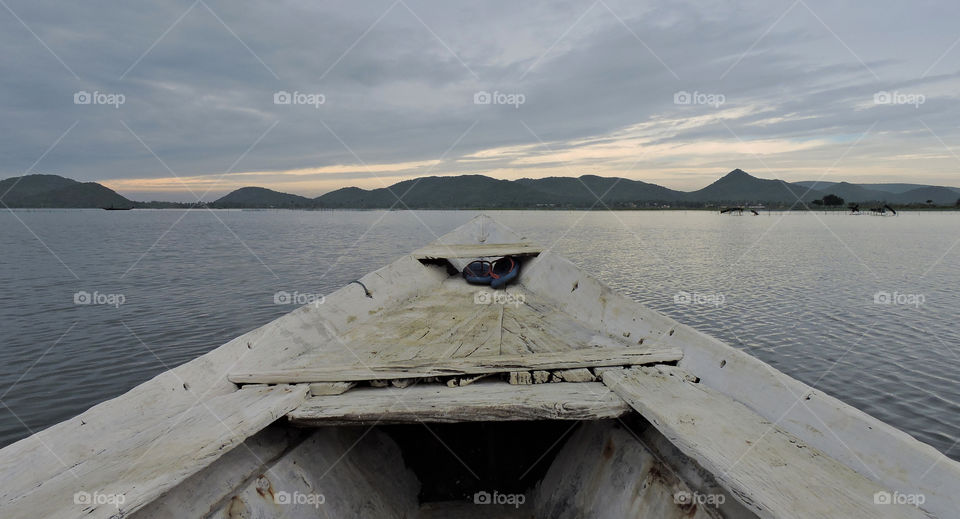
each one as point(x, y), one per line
point(738, 211)
point(883, 210)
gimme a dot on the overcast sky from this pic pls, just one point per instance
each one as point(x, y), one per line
point(179, 99)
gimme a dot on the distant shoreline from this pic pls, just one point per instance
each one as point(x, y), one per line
point(717, 209)
point(478, 192)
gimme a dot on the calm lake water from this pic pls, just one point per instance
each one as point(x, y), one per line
point(798, 291)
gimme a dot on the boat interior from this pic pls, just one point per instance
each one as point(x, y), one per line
point(543, 468)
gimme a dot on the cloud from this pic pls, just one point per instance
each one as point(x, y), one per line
point(304, 181)
point(398, 82)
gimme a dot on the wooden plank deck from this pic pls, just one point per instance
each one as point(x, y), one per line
point(479, 402)
point(456, 320)
point(769, 470)
point(421, 368)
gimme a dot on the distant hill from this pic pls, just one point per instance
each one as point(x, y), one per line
point(938, 194)
point(889, 193)
point(848, 192)
point(57, 191)
point(585, 190)
point(886, 187)
point(478, 191)
point(738, 186)
point(464, 192)
point(262, 197)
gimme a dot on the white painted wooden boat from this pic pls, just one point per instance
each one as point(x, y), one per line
point(582, 404)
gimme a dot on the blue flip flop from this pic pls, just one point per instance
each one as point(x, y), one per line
point(478, 272)
point(504, 270)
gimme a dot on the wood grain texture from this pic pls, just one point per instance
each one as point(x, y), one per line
point(575, 375)
point(417, 368)
point(769, 470)
point(482, 401)
point(357, 473)
point(476, 250)
point(605, 471)
point(198, 494)
point(330, 388)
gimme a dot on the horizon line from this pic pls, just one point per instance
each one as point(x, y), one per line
point(227, 191)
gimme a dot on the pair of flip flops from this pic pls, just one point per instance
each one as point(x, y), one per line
point(495, 274)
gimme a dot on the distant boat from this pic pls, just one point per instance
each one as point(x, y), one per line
point(111, 208)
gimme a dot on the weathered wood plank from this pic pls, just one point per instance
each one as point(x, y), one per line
point(769, 470)
point(541, 377)
point(198, 494)
point(606, 470)
point(444, 322)
point(521, 378)
point(464, 381)
point(476, 250)
point(575, 375)
point(354, 472)
point(417, 368)
point(135, 468)
point(330, 388)
point(482, 401)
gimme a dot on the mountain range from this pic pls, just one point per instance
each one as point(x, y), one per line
point(478, 191)
point(736, 187)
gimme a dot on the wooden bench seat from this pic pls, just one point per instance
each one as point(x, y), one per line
point(478, 402)
point(473, 250)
